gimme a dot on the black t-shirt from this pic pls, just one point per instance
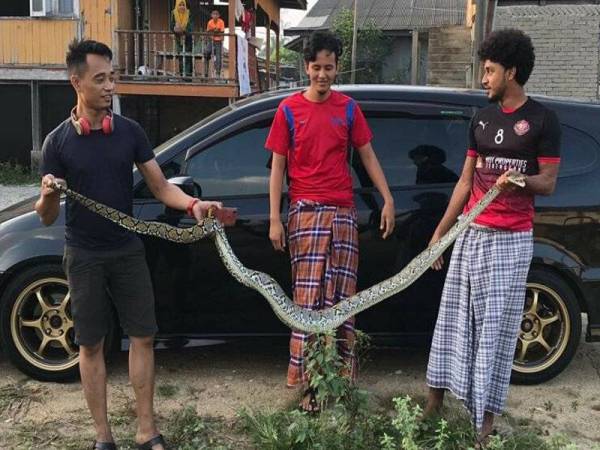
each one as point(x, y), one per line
point(519, 140)
point(100, 167)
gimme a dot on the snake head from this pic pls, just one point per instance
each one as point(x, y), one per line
point(59, 185)
point(517, 179)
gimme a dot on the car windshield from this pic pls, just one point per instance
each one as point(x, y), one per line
point(238, 104)
point(194, 127)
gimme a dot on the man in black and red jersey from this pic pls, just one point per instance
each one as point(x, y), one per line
point(482, 302)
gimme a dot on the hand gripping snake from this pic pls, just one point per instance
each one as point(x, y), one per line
point(293, 315)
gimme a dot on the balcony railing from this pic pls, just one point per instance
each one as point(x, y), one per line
point(161, 56)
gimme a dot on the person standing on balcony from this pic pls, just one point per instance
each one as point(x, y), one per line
point(216, 27)
point(93, 151)
point(182, 25)
point(312, 135)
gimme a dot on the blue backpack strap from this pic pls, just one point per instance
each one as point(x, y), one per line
point(289, 118)
point(350, 108)
point(350, 115)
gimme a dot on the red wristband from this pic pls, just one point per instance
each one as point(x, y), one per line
point(190, 206)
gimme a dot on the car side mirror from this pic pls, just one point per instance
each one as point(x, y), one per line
point(187, 185)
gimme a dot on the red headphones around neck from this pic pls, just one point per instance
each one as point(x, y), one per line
point(83, 127)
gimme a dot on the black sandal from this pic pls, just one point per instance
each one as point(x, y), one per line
point(156, 440)
point(103, 446)
point(313, 404)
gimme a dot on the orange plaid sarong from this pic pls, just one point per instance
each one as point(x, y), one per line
point(323, 242)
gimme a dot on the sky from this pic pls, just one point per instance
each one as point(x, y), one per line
point(291, 17)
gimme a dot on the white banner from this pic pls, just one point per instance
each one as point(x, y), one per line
point(242, 64)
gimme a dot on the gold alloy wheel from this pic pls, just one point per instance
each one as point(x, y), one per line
point(42, 327)
point(544, 332)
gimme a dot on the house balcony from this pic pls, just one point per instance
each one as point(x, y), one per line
point(153, 62)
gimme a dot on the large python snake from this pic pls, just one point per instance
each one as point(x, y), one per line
point(293, 315)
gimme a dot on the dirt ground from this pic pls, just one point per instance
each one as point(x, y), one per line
point(220, 380)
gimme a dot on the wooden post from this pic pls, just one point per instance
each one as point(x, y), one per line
point(277, 62)
point(36, 127)
point(414, 64)
point(354, 37)
point(268, 55)
point(232, 42)
point(489, 20)
point(480, 14)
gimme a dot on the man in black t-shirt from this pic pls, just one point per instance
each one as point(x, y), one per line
point(482, 303)
point(93, 152)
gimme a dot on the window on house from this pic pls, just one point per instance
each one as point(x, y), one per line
point(61, 8)
point(14, 8)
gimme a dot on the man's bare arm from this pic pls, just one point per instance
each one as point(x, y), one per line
point(48, 205)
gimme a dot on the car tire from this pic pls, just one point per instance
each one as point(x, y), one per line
point(36, 326)
point(550, 329)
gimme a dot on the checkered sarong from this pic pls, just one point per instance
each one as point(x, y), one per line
point(480, 313)
point(323, 242)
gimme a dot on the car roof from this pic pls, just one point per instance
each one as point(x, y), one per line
point(396, 92)
point(362, 93)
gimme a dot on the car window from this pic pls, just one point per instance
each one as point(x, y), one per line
point(579, 152)
point(235, 165)
point(170, 169)
point(417, 148)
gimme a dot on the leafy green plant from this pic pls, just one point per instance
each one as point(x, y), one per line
point(188, 431)
point(347, 420)
point(324, 366)
point(15, 173)
point(441, 435)
point(372, 48)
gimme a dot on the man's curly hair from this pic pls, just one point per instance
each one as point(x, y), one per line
point(322, 40)
point(510, 48)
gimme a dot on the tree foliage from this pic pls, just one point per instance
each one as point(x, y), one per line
point(372, 48)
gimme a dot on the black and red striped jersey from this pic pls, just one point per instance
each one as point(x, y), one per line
point(502, 140)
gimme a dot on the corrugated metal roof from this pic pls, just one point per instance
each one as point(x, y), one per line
point(292, 4)
point(550, 10)
point(389, 15)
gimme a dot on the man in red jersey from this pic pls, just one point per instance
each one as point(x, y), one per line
point(481, 308)
point(311, 136)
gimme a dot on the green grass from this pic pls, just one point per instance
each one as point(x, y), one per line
point(336, 429)
point(14, 173)
point(350, 419)
point(167, 390)
point(393, 426)
point(186, 430)
point(19, 396)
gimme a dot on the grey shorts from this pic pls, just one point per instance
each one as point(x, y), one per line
point(99, 279)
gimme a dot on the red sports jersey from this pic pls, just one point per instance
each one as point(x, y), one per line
point(316, 146)
point(519, 140)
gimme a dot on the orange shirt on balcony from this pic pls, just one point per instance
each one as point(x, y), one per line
point(216, 25)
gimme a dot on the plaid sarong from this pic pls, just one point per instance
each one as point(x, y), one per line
point(323, 242)
point(480, 313)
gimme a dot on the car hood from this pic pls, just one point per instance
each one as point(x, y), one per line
point(21, 218)
point(17, 209)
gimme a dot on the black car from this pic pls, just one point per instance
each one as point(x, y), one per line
point(421, 141)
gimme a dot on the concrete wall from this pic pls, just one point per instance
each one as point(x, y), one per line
point(449, 56)
point(566, 40)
